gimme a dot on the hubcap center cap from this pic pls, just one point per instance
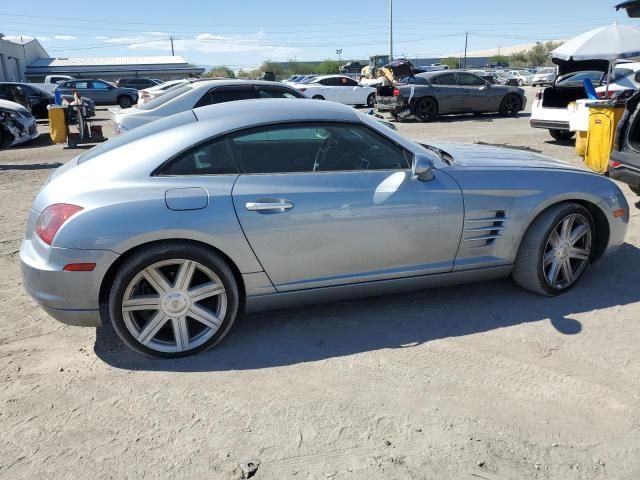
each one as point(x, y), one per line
point(175, 303)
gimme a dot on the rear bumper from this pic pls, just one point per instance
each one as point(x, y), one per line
point(550, 124)
point(69, 297)
point(389, 104)
point(625, 173)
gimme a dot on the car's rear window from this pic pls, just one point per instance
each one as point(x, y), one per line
point(170, 95)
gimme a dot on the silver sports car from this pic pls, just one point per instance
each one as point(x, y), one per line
point(171, 230)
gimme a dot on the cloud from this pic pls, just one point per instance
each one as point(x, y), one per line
point(64, 37)
point(205, 43)
point(23, 38)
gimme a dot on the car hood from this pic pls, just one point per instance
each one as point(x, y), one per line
point(486, 156)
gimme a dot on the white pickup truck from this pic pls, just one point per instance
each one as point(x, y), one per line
point(52, 81)
point(549, 110)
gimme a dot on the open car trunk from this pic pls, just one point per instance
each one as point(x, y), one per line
point(560, 97)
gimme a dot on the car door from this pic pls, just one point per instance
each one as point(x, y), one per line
point(100, 92)
point(447, 93)
point(351, 91)
point(330, 89)
point(325, 204)
point(475, 93)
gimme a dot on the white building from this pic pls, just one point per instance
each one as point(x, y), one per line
point(15, 57)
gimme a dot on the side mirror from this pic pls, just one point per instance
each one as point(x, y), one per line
point(422, 167)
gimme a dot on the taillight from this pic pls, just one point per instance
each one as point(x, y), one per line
point(145, 94)
point(614, 164)
point(52, 218)
point(396, 92)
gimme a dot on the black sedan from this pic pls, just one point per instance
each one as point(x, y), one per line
point(430, 94)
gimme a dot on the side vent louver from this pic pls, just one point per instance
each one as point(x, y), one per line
point(484, 230)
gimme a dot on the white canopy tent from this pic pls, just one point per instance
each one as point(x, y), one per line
point(605, 43)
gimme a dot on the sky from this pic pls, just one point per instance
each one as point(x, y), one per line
point(244, 33)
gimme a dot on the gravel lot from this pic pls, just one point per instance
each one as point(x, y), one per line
point(483, 381)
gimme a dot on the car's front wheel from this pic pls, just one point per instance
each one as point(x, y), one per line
point(371, 100)
point(125, 102)
point(561, 135)
point(555, 250)
point(510, 106)
point(318, 97)
point(173, 300)
point(426, 109)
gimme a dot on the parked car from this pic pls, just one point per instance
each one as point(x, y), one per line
point(544, 76)
point(626, 76)
point(430, 94)
point(523, 77)
point(198, 94)
point(351, 67)
point(17, 125)
point(624, 164)
point(101, 92)
point(549, 110)
point(137, 82)
point(268, 76)
point(338, 88)
point(148, 94)
point(35, 99)
point(266, 203)
point(293, 79)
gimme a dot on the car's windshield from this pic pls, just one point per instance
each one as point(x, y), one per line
point(307, 80)
point(544, 71)
point(172, 93)
point(576, 79)
point(620, 73)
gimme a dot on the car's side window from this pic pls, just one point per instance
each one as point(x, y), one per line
point(468, 79)
point(80, 85)
point(328, 82)
point(316, 148)
point(447, 79)
point(99, 85)
point(222, 96)
point(349, 82)
point(275, 93)
point(213, 158)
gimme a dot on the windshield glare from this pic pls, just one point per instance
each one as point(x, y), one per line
point(576, 79)
point(170, 95)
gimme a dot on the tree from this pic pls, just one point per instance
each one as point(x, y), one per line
point(519, 59)
point(276, 68)
point(329, 67)
point(499, 59)
point(297, 68)
point(219, 71)
point(451, 62)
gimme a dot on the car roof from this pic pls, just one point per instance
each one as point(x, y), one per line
point(235, 81)
point(332, 76)
point(13, 105)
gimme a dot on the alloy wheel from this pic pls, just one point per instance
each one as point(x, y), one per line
point(567, 251)
point(174, 305)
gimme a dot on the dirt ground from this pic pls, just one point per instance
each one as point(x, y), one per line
point(481, 381)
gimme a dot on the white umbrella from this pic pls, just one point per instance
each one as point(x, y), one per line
point(604, 43)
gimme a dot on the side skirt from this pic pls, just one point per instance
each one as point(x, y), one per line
point(275, 301)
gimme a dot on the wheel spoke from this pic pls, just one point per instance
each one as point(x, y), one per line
point(567, 226)
point(549, 257)
point(205, 291)
point(146, 302)
point(181, 332)
point(150, 330)
point(579, 253)
point(552, 276)
point(578, 233)
point(185, 274)
point(554, 239)
point(567, 271)
point(156, 280)
point(204, 316)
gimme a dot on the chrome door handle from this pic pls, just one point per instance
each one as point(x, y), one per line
point(258, 206)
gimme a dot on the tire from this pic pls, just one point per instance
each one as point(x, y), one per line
point(318, 97)
point(426, 109)
point(510, 105)
point(125, 101)
point(175, 324)
point(520, 83)
point(371, 100)
point(562, 135)
point(538, 259)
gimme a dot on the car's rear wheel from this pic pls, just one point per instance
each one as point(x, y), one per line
point(318, 97)
point(125, 102)
point(173, 300)
point(426, 109)
point(561, 135)
point(371, 100)
point(510, 106)
point(555, 250)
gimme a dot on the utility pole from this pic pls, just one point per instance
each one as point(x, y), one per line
point(172, 53)
point(466, 41)
point(390, 30)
